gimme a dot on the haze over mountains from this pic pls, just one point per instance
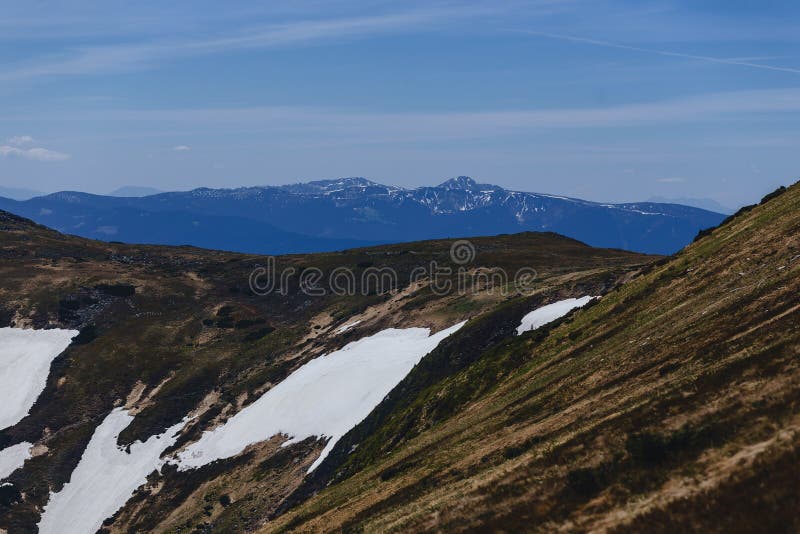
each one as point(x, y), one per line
point(334, 214)
point(708, 204)
point(18, 193)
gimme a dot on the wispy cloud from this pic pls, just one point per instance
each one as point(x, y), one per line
point(326, 126)
point(303, 120)
point(181, 148)
point(114, 58)
point(742, 62)
point(671, 180)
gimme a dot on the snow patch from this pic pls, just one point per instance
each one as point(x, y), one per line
point(547, 314)
point(325, 397)
point(12, 458)
point(348, 326)
point(25, 357)
point(105, 477)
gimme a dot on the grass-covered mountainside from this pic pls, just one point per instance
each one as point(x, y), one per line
point(167, 332)
point(671, 404)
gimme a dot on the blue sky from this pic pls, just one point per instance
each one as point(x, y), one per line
point(609, 101)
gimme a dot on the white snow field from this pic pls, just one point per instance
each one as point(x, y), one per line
point(12, 458)
point(547, 314)
point(325, 397)
point(25, 357)
point(105, 477)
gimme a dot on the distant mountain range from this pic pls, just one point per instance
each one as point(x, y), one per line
point(334, 214)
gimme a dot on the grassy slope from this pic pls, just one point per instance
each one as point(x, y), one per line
point(192, 337)
point(672, 403)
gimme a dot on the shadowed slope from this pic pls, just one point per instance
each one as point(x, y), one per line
point(671, 403)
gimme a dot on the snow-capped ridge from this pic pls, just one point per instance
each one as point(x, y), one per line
point(325, 215)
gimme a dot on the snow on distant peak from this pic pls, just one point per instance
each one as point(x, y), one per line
point(342, 183)
point(355, 181)
point(325, 397)
point(549, 313)
point(105, 477)
point(25, 357)
point(461, 183)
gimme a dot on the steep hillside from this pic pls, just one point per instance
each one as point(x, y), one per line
point(670, 404)
point(176, 340)
point(332, 214)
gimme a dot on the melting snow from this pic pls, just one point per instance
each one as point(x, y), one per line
point(12, 458)
point(25, 357)
point(546, 314)
point(347, 327)
point(326, 397)
point(105, 477)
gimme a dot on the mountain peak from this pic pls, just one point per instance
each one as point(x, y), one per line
point(461, 183)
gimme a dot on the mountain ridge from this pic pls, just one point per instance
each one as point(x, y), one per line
point(357, 211)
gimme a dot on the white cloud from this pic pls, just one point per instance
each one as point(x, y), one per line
point(20, 146)
point(181, 148)
point(671, 180)
point(34, 153)
point(21, 140)
point(44, 154)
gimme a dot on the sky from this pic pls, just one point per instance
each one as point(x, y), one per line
point(611, 101)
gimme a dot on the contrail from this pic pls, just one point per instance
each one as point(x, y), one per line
point(609, 44)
